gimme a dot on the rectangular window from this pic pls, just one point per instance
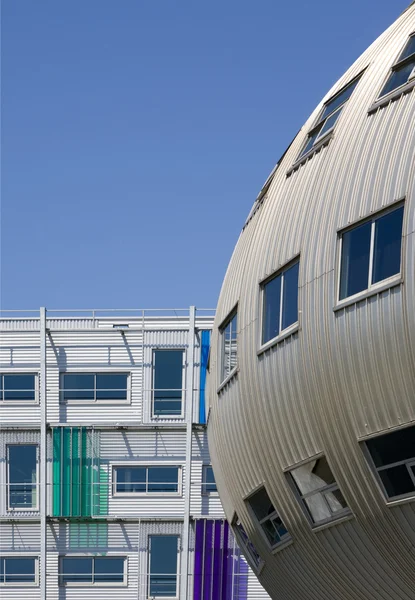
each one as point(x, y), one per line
point(328, 116)
point(403, 70)
point(146, 480)
point(268, 518)
point(370, 253)
point(18, 570)
point(280, 302)
point(228, 337)
point(94, 387)
point(209, 483)
point(17, 387)
point(393, 457)
point(319, 493)
point(93, 570)
point(168, 373)
point(163, 566)
point(245, 543)
point(22, 475)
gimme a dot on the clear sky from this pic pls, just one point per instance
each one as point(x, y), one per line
point(136, 135)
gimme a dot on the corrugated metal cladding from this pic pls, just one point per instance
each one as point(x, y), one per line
point(344, 374)
point(86, 441)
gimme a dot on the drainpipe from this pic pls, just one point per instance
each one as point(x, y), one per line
point(189, 421)
point(43, 448)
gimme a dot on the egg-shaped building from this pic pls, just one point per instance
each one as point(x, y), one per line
point(312, 368)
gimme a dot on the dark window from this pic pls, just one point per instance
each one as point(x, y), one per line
point(92, 570)
point(18, 387)
point(280, 303)
point(22, 476)
point(370, 253)
point(329, 116)
point(245, 543)
point(94, 386)
point(228, 335)
point(17, 570)
point(209, 483)
point(147, 480)
point(319, 492)
point(393, 456)
point(163, 554)
point(403, 70)
point(168, 382)
point(268, 518)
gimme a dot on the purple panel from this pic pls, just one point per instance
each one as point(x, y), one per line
point(207, 562)
point(216, 589)
point(225, 552)
point(198, 569)
point(230, 563)
point(242, 587)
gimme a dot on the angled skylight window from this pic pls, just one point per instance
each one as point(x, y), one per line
point(328, 117)
point(403, 70)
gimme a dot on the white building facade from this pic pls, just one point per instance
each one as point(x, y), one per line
point(106, 484)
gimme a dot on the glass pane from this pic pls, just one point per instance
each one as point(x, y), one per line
point(398, 78)
point(22, 476)
point(313, 476)
point(409, 48)
point(354, 270)
point(163, 565)
point(271, 532)
point(78, 386)
point(339, 99)
point(77, 569)
point(131, 480)
point(209, 480)
point(111, 386)
point(329, 123)
point(261, 504)
point(247, 543)
point(19, 570)
point(393, 447)
point(229, 351)
point(19, 387)
point(336, 501)
point(387, 248)
point(318, 508)
point(280, 527)
point(311, 139)
point(271, 309)
point(168, 382)
point(397, 481)
point(290, 296)
point(109, 569)
point(163, 479)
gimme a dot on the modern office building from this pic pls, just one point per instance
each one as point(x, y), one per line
point(311, 380)
point(106, 488)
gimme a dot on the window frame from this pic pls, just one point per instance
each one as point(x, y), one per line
point(11, 509)
point(300, 497)
point(322, 140)
point(178, 566)
point(284, 540)
point(223, 380)
point(81, 401)
point(397, 65)
point(170, 416)
point(92, 583)
point(256, 564)
point(390, 500)
point(22, 555)
point(205, 483)
point(283, 333)
point(19, 402)
point(147, 465)
point(379, 286)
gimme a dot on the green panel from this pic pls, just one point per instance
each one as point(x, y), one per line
point(85, 476)
point(66, 472)
point(103, 491)
point(76, 472)
point(57, 491)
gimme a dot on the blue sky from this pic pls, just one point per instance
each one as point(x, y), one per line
point(136, 135)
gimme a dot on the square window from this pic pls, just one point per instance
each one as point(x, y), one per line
point(370, 253)
point(94, 387)
point(209, 483)
point(18, 387)
point(393, 458)
point(280, 302)
point(328, 117)
point(22, 477)
point(228, 345)
point(163, 566)
point(403, 70)
point(320, 495)
point(168, 375)
point(267, 518)
point(92, 570)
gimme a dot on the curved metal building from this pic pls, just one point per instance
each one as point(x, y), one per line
point(312, 368)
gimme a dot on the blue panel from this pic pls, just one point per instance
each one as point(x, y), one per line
point(204, 355)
